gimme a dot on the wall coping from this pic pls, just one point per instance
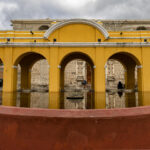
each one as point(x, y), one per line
point(60, 113)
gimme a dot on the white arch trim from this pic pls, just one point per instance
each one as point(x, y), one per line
point(75, 21)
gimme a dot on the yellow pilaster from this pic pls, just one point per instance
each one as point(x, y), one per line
point(9, 98)
point(145, 69)
point(140, 78)
point(144, 98)
point(25, 99)
point(100, 100)
point(130, 77)
point(125, 77)
point(54, 100)
point(25, 77)
point(99, 71)
point(130, 99)
point(10, 72)
point(54, 73)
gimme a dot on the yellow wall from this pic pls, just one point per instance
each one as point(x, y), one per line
point(11, 56)
point(76, 33)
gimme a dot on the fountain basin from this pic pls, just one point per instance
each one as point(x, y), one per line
point(26, 128)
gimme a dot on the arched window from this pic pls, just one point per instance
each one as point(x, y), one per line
point(44, 27)
point(141, 28)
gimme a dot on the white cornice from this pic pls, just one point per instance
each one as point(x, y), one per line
point(75, 21)
point(21, 38)
point(14, 33)
point(74, 44)
point(144, 37)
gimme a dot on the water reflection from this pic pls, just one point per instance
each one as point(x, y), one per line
point(75, 100)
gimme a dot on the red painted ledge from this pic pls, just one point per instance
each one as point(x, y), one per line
point(44, 129)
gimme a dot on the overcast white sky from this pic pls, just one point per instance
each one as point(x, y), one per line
point(101, 9)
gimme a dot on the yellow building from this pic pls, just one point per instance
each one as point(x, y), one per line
point(75, 39)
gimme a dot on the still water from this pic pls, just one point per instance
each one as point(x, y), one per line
point(75, 100)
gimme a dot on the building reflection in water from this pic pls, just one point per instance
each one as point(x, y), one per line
point(75, 100)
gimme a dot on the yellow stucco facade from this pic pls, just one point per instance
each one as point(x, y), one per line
point(76, 38)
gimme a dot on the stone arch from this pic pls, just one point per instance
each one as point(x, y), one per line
point(26, 62)
point(72, 56)
point(129, 62)
point(138, 62)
point(75, 55)
point(22, 55)
point(76, 21)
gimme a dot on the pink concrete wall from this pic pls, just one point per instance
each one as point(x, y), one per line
point(39, 129)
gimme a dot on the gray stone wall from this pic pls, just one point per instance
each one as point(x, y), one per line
point(114, 25)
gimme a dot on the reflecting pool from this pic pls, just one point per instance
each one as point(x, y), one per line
point(75, 100)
